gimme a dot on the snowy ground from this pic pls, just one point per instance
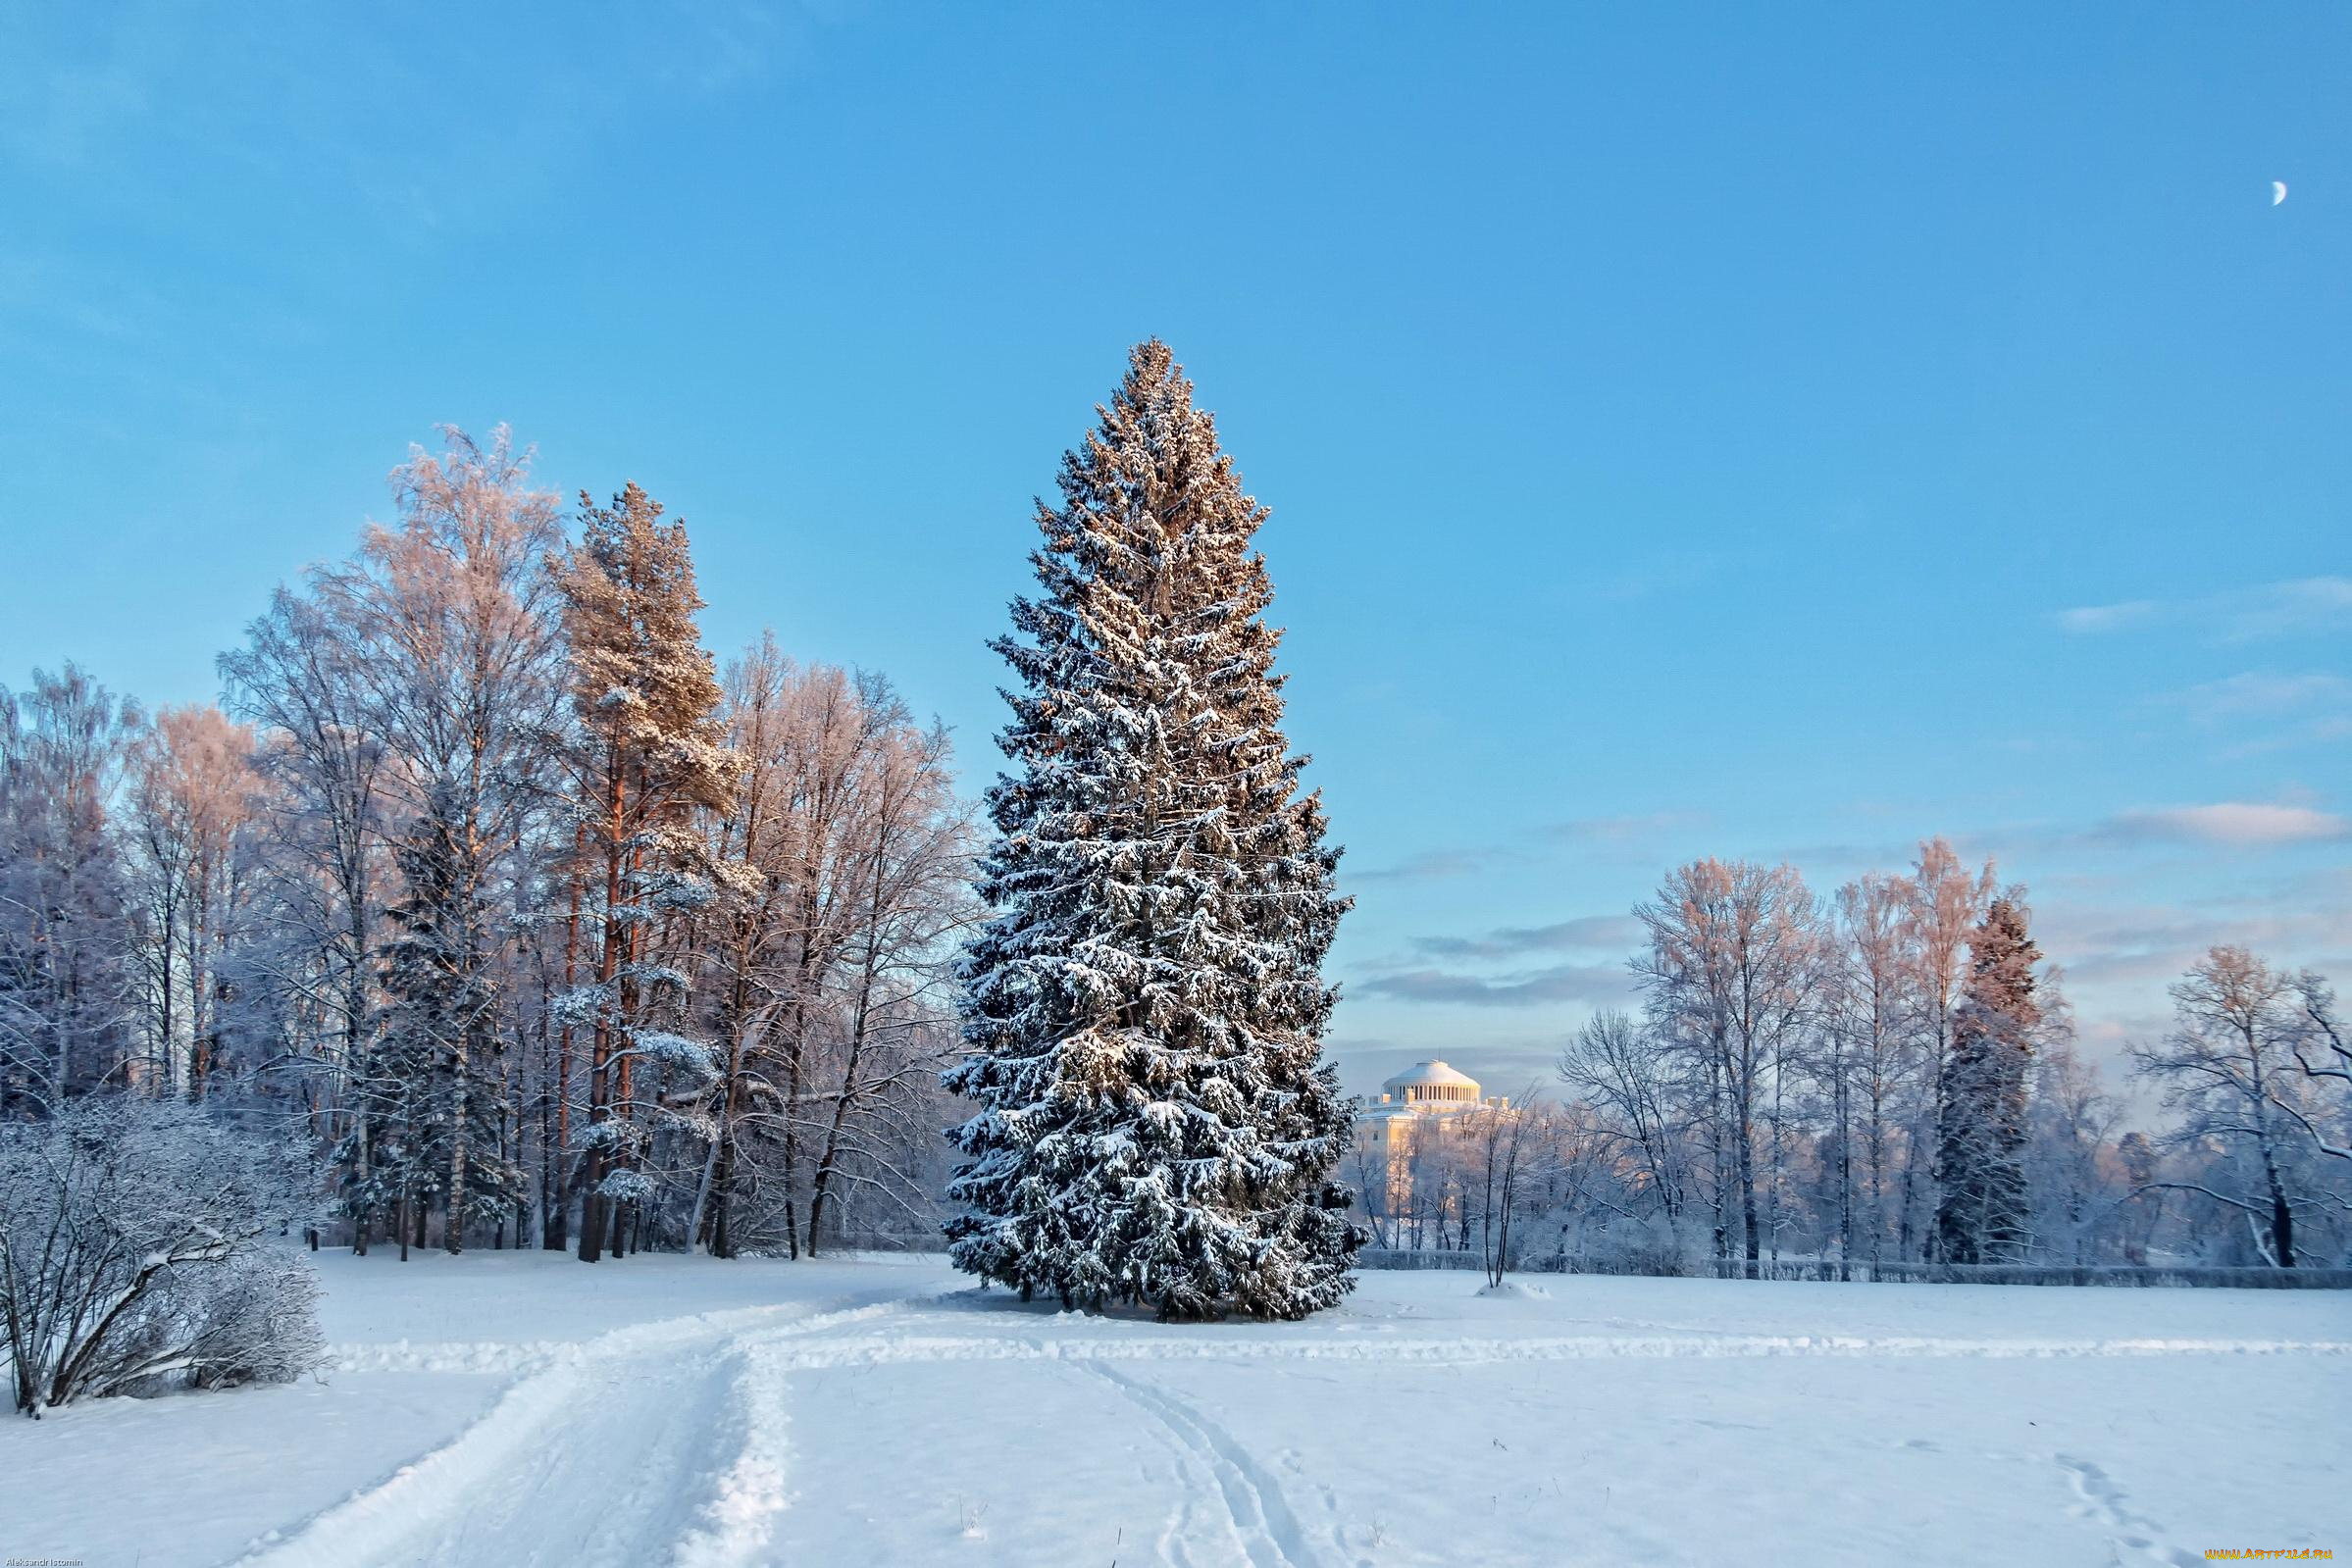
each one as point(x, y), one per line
point(511, 1408)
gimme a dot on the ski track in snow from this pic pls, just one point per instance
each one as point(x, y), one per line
point(666, 1442)
point(1256, 1507)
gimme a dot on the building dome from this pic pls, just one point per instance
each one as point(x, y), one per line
point(1431, 1083)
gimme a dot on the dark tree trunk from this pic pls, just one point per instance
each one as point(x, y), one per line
point(2283, 1217)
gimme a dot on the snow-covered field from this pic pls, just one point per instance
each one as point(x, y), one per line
point(511, 1408)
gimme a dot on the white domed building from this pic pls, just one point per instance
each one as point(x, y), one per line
point(1416, 1107)
point(1427, 1089)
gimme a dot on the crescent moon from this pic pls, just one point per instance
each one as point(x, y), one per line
point(2277, 191)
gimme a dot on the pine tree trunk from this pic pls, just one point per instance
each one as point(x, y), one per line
point(722, 1241)
point(1904, 1229)
point(559, 1210)
point(548, 1148)
point(623, 1107)
point(454, 1228)
point(608, 964)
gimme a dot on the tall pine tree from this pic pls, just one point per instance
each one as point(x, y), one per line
point(1144, 1015)
point(651, 751)
point(1981, 1214)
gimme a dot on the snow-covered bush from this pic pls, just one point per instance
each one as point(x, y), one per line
point(1641, 1249)
point(137, 1246)
point(255, 1318)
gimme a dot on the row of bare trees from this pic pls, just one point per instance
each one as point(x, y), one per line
point(1888, 1075)
point(543, 927)
point(1796, 1070)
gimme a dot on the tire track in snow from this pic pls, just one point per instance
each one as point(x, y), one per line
point(587, 1460)
point(1254, 1503)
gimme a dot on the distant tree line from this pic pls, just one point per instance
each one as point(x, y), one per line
point(1890, 1075)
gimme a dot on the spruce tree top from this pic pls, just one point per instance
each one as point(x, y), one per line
point(2001, 960)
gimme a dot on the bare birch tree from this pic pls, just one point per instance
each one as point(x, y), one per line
point(460, 624)
point(192, 799)
point(1501, 1143)
point(67, 990)
point(846, 857)
point(1733, 974)
point(2227, 1066)
point(324, 762)
point(1632, 1078)
point(1876, 1009)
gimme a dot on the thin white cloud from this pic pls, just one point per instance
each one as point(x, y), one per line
point(2092, 619)
point(1637, 835)
point(2126, 952)
point(1636, 829)
point(2285, 608)
point(2234, 824)
point(1561, 983)
point(2265, 694)
point(2304, 604)
point(1660, 577)
point(1431, 865)
point(1608, 934)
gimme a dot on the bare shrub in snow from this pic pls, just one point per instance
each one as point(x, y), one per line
point(136, 1247)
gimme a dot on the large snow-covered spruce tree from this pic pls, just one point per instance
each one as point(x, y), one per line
point(1144, 1014)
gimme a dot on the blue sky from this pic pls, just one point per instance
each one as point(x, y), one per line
point(1783, 433)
